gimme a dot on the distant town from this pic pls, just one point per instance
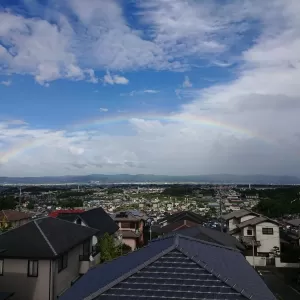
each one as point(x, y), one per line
point(83, 229)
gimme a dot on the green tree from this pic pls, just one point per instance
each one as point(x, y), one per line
point(30, 205)
point(70, 203)
point(8, 202)
point(108, 249)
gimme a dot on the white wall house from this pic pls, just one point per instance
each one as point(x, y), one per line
point(43, 258)
point(254, 230)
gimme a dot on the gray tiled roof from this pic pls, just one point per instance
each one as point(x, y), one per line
point(175, 267)
point(238, 214)
point(211, 235)
point(43, 238)
point(253, 221)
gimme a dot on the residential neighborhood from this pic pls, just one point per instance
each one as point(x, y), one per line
point(92, 252)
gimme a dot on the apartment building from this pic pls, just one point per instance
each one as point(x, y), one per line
point(43, 258)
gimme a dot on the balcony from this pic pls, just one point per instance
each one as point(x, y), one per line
point(87, 261)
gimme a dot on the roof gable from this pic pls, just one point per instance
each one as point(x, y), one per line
point(186, 280)
point(225, 264)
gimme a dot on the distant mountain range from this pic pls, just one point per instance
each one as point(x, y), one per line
point(142, 178)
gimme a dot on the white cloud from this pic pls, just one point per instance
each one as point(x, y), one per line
point(55, 45)
point(6, 82)
point(249, 124)
point(187, 83)
point(103, 109)
point(151, 91)
point(141, 92)
point(114, 79)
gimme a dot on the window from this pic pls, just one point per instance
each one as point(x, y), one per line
point(268, 231)
point(62, 262)
point(249, 232)
point(1, 266)
point(33, 268)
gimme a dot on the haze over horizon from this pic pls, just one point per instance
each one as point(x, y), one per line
point(149, 87)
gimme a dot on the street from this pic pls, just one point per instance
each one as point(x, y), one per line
point(279, 288)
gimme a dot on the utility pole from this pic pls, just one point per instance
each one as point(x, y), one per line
point(253, 252)
point(220, 212)
point(20, 198)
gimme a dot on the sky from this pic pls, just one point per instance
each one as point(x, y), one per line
point(174, 87)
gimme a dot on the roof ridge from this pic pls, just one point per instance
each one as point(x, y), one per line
point(74, 223)
point(206, 242)
point(129, 273)
point(217, 275)
point(44, 236)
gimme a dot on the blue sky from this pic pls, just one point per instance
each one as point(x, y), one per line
point(229, 66)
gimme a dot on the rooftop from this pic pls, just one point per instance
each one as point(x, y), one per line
point(43, 238)
point(239, 214)
point(95, 218)
point(174, 267)
point(14, 215)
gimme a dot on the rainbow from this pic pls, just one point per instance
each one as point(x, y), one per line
point(96, 122)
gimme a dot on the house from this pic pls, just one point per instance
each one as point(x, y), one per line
point(13, 218)
point(210, 235)
point(258, 233)
point(174, 267)
point(182, 215)
point(131, 229)
point(237, 217)
point(95, 218)
point(41, 259)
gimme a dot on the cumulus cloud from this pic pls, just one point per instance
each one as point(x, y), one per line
point(103, 109)
point(247, 124)
point(71, 39)
point(114, 79)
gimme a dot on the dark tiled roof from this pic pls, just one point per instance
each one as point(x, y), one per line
point(183, 215)
point(175, 267)
point(99, 219)
point(254, 221)
point(96, 218)
point(68, 217)
point(43, 238)
point(177, 226)
point(239, 214)
point(212, 235)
